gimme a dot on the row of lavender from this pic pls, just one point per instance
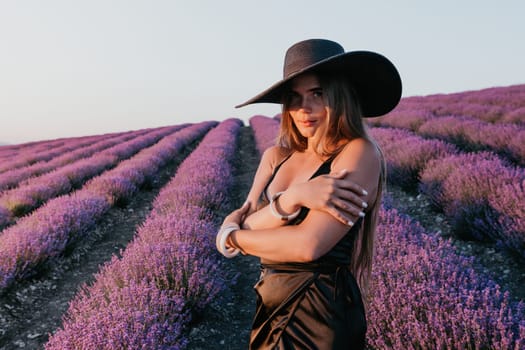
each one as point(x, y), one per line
point(45, 151)
point(69, 171)
point(17, 150)
point(50, 161)
point(425, 295)
point(495, 105)
point(482, 195)
point(469, 133)
point(8, 151)
point(30, 152)
point(265, 131)
point(49, 230)
point(145, 299)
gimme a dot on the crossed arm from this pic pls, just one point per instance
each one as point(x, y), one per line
point(332, 200)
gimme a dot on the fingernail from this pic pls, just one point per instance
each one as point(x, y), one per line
point(361, 214)
point(350, 223)
point(364, 192)
point(364, 205)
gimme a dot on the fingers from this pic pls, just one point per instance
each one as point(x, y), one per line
point(341, 216)
point(349, 198)
point(245, 206)
point(238, 215)
point(348, 184)
point(352, 186)
point(244, 210)
point(348, 208)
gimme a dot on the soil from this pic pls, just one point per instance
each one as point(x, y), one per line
point(32, 309)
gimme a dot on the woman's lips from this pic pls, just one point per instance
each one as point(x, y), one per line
point(308, 122)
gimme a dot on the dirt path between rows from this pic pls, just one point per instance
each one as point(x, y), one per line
point(32, 309)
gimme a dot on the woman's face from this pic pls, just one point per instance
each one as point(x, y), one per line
point(307, 105)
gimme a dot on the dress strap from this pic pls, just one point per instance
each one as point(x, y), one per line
point(325, 168)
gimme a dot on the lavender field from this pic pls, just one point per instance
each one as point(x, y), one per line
point(162, 285)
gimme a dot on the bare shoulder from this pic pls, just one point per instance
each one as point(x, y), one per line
point(358, 150)
point(274, 155)
point(363, 161)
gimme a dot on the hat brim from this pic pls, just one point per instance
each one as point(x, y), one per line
point(375, 79)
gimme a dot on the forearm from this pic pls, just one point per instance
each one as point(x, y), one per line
point(283, 244)
point(307, 241)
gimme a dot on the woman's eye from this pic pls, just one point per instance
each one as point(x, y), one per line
point(294, 99)
point(318, 93)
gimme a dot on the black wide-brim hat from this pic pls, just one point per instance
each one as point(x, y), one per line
point(374, 78)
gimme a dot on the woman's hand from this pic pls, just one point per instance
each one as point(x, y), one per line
point(237, 216)
point(334, 193)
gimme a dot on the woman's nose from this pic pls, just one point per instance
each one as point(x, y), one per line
point(306, 103)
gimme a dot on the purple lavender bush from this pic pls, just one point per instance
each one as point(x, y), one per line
point(462, 184)
point(5, 217)
point(265, 131)
point(28, 157)
point(480, 111)
point(410, 119)
point(516, 116)
point(46, 233)
point(407, 154)
point(426, 296)
point(516, 147)
point(171, 265)
point(507, 210)
point(22, 200)
point(474, 135)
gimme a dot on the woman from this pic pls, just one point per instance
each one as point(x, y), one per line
point(315, 237)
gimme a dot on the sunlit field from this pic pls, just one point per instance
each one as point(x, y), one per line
point(464, 152)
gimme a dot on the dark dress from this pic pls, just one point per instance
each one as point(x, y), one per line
point(314, 305)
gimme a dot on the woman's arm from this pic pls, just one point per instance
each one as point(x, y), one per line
point(320, 231)
point(336, 194)
point(269, 160)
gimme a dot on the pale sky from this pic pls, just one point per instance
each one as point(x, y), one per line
point(72, 68)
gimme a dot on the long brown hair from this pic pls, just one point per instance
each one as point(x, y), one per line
point(344, 123)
